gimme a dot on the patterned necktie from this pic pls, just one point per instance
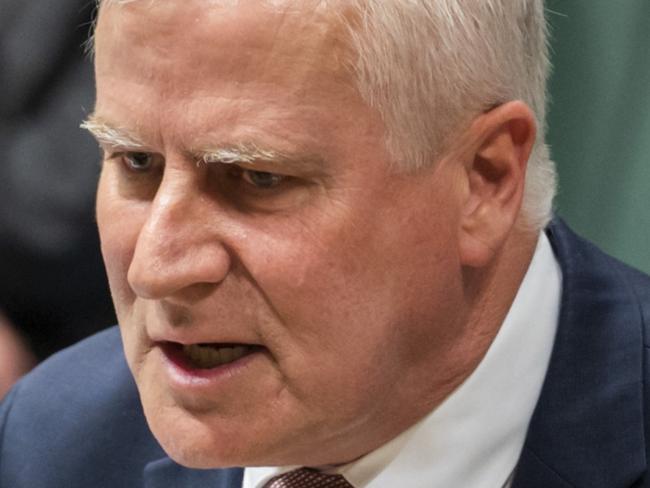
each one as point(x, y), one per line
point(308, 478)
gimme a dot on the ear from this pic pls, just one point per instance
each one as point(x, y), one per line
point(501, 142)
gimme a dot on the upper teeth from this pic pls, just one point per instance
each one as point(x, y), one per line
point(206, 356)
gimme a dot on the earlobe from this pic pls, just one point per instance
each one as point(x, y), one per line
point(502, 140)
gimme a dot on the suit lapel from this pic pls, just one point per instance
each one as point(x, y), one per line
point(165, 473)
point(587, 429)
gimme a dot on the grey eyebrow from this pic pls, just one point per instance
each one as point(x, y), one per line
point(111, 136)
point(244, 153)
point(250, 153)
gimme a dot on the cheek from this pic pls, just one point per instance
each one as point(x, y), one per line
point(353, 288)
point(340, 292)
point(119, 223)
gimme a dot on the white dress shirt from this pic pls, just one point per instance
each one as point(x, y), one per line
point(475, 437)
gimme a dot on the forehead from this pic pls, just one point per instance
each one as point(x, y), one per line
point(189, 73)
point(265, 37)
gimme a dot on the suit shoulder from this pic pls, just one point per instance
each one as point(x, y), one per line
point(639, 285)
point(576, 252)
point(69, 413)
point(632, 284)
point(593, 271)
point(81, 375)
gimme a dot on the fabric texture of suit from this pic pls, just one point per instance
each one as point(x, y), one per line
point(76, 421)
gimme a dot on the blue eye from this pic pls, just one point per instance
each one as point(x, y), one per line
point(262, 179)
point(138, 161)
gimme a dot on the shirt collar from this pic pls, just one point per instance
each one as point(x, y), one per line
point(474, 438)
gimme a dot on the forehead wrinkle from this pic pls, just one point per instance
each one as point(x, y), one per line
point(314, 22)
point(109, 135)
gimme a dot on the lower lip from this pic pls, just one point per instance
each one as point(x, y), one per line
point(184, 375)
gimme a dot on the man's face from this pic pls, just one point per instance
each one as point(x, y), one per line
point(334, 277)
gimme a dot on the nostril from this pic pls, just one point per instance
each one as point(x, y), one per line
point(177, 253)
point(143, 286)
point(195, 292)
point(184, 286)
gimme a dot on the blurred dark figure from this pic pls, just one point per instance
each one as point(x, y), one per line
point(52, 283)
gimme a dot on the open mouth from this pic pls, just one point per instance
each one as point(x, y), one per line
point(206, 356)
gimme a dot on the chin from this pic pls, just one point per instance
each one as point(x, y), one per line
point(202, 441)
point(198, 458)
point(192, 444)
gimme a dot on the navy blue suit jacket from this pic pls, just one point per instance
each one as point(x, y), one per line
point(76, 421)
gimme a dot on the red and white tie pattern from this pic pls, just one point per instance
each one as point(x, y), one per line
point(308, 478)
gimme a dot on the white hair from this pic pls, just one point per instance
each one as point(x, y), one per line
point(430, 66)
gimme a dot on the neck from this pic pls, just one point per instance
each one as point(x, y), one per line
point(490, 292)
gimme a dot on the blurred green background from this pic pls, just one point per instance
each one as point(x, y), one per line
point(599, 121)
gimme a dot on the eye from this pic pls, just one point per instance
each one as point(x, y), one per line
point(262, 180)
point(138, 161)
point(256, 190)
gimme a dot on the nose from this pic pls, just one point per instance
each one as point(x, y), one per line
point(180, 245)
